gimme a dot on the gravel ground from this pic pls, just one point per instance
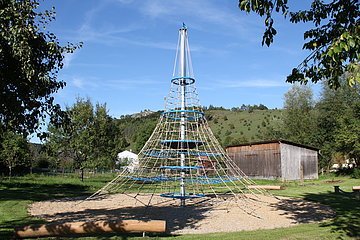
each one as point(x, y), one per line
point(198, 216)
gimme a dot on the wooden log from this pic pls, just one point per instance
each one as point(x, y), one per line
point(266, 187)
point(356, 188)
point(98, 227)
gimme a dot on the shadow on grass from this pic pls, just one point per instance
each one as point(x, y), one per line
point(340, 210)
point(347, 208)
point(300, 211)
point(39, 192)
point(15, 195)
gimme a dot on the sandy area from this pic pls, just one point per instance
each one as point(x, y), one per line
point(198, 216)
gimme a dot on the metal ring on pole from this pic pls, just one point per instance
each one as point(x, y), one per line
point(190, 115)
point(182, 168)
point(187, 80)
point(179, 196)
point(171, 153)
point(182, 144)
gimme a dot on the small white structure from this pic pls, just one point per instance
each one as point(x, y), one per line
point(345, 164)
point(129, 159)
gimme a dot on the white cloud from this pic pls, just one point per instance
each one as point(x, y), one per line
point(157, 9)
point(203, 11)
point(90, 83)
point(78, 82)
point(82, 83)
point(94, 30)
point(68, 57)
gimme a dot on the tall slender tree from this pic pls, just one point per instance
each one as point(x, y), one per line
point(81, 132)
point(105, 135)
point(299, 121)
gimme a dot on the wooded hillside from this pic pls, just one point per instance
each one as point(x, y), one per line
point(229, 126)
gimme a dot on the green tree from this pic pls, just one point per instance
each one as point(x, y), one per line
point(14, 151)
point(30, 61)
point(298, 120)
point(143, 133)
point(337, 121)
point(227, 141)
point(334, 41)
point(262, 107)
point(299, 116)
point(75, 138)
point(81, 132)
point(347, 137)
point(105, 146)
point(57, 146)
point(91, 138)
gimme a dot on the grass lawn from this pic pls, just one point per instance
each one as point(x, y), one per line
point(17, 193)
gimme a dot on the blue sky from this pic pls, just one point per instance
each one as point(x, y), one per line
point(129, 50)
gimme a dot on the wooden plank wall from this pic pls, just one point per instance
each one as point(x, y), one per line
point(309, 163)
point(276, 160)
point(290, 156)
point(298, 162)
point(260, 161)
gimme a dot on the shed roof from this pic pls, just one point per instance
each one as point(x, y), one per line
point(276, 141)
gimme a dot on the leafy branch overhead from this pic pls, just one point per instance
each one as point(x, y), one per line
point(30, 59)
point(334, 41)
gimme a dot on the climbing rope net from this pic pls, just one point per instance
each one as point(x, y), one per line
point(182, 159)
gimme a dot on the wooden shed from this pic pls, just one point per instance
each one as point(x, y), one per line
point(280, 159)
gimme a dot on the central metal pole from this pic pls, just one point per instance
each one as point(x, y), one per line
point(183, 36)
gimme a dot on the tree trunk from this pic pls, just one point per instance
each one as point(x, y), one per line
point(72, 229)
point(10, 172)
point(82, 174)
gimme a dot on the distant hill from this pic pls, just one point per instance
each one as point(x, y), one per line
point(233, 127)
point(136, 130)
point(229, 127)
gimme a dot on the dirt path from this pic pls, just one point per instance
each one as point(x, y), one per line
point(203, 216)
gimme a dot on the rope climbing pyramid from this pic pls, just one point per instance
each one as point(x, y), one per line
point(182, 159)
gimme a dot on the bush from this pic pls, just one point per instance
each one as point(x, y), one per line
point(353, 172)
point(356, 173)
point(344, 171)
point(42, 163)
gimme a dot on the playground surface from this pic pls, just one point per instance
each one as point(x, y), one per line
point(199, 216)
